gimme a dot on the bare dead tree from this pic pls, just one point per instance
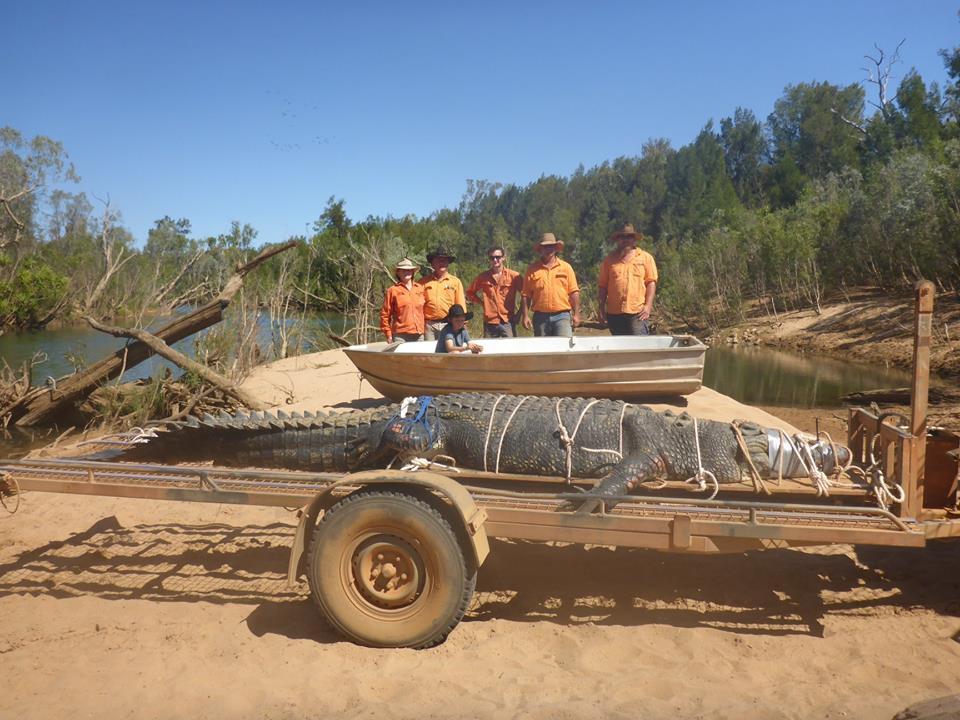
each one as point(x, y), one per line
point(7, 200)
point(113, 257)
point(161, 348)
point(879, 73)
point(41, 403)
point(161, 294)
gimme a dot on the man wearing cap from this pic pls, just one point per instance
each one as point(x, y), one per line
point(497, 289)
point(441, 291)
point(550, 289)
point(401, 317)
point(627, 285)
point(454, 337)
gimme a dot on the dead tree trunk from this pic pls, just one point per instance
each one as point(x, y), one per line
point(178, 358)
point(41, 403)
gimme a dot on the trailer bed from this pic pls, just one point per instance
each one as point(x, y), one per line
point(660, 521)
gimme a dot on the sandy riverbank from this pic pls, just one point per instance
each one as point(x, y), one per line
point(115, 608)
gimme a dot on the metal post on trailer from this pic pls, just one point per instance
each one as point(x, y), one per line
point(913, 475)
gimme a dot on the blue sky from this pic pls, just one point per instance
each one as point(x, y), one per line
point(259, 112)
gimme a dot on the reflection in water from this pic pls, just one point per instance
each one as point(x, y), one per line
point(763, 376)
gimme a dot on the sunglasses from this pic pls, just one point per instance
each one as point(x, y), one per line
point(495, 257)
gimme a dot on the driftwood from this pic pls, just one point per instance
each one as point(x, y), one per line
point(178, 358)
point(41, 403)
point(897, 396)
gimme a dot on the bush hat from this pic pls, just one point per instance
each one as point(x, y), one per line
point(441, 251)
point(549, 239)
point(626, 231)
point(406, 264)
point(456, 310)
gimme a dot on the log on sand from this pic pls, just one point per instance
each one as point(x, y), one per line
point(42, 403)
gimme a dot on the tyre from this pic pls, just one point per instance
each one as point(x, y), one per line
point(386, 570)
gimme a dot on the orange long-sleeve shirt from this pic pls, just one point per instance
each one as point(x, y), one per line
point(402, 310)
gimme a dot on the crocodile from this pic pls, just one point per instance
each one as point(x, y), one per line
point(621, 445)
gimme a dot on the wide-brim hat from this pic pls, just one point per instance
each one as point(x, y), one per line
point(626, 231)
point(549, 240)
point(441, 251)
point(456, 310)
point(406, 264)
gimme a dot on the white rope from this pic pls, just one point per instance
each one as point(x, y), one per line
point(504, 433)
point(703, 475)
point(885, 493)
point(418, 463)
point(567, 439)
point(133, 436)
point(486, 441)
point(623, 412)
point(406, 403)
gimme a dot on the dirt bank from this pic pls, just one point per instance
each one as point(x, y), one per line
point(865, 325)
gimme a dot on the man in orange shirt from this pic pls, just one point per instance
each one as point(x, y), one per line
point(627, 285)
point(497, 289)
point(401, 317)
point(441, 291)
point(550, 289)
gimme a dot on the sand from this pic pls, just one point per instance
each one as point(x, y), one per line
point(115, 608)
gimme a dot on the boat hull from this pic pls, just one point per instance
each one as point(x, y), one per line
point(601, 366)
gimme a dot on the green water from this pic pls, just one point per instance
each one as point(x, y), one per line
point(761, 376)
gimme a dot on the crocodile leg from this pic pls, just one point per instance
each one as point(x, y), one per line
point(632, 470)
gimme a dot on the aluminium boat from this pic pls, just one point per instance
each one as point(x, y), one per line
point(622, 367)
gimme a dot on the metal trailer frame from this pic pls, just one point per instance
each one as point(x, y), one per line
point(478, 505)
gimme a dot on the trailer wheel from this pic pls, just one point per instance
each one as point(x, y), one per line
point(386, 570)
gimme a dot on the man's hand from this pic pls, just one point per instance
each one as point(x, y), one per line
point(602, 314)
point(526, 322)
point(576, 319)
point(645, 313)
point(475, 348)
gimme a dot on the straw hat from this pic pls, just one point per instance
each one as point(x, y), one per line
point(456, 310)
point(626, 231)
point(547, 240)
point(441, 251)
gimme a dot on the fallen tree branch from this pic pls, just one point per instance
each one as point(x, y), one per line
point(212, 377)
point(41, 403)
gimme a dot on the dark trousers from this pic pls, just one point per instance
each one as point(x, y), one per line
point(499, 330)
point(628, 325)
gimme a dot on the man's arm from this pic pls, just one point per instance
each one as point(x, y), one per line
point(602, 300)
point(525, 313)
point(473, 294)
point(651, 290)
point(575, 305)
point(385, 319)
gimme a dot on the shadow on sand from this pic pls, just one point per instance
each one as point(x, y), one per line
point(776, 592)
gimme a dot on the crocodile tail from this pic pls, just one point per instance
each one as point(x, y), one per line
point(321, 442)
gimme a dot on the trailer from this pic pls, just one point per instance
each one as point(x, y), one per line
point(392, 556)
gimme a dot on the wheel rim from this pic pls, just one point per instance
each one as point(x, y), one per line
point(386, 573)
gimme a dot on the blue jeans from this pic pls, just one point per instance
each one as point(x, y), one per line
point(552, 324)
